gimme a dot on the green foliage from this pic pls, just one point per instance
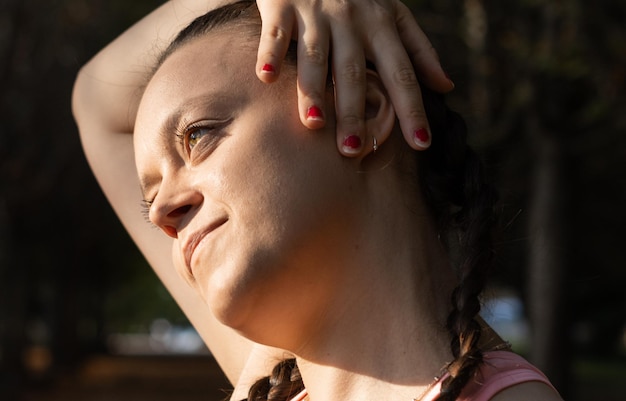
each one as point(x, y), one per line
point(63, 254)
point(532, 74)
point(136, 299)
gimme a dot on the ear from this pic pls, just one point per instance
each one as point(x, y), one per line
point(380, 116)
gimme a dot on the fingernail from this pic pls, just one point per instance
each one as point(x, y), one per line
point(422, 137)
point(314, 113)
point(268, 68)
point(352, 144)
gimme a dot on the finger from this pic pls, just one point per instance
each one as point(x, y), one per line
point(421, 52)
point(402, 86)
point(276, 32)
point(349, 74)
point(313, 48)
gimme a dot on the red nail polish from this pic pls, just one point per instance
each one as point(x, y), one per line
point(352, 144)
point(314, 113)
point(268, 68)
point(422, 136)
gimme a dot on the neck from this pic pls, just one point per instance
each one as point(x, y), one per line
point(384, 336)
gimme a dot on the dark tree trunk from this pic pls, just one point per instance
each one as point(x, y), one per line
point(547, 258)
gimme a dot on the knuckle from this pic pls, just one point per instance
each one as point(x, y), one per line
point(275, 34)
point(417, 114)
point(405, 77)
point(353, 73)
point(351, 120)
point(315, 54)
point(383, 14)
point(345, 9)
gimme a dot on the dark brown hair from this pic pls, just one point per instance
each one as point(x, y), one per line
point(453, 181)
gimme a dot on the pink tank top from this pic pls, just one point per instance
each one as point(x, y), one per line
point(500, 370)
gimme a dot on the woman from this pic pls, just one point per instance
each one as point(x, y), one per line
point(108, 90)
point(337, 261)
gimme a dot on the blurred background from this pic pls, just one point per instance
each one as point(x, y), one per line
point(542, 86)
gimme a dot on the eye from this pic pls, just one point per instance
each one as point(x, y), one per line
point(199, 140)
point(194, 135)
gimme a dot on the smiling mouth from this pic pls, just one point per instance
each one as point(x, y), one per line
point(196, 239)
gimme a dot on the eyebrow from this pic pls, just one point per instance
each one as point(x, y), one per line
point(173, 121)
point(172, 125)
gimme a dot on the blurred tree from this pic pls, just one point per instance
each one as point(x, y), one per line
point(556, 95)
point(541, 85)
point(60, 244)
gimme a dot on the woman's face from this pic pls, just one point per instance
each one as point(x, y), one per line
point(261, 208)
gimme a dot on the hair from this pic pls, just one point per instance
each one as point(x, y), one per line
point(462, 200)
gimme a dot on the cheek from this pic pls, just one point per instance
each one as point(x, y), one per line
point(284, 195)
point(268, 153)
point(279, 164)
point(287, 191)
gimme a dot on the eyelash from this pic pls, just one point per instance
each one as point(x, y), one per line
point(184, 137)
point(145, 210)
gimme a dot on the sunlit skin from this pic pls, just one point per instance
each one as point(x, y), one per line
point(334, 260)
point(304, 241)
point(288, 242)
point(269, 202)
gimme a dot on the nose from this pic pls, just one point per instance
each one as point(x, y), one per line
point(171, 210)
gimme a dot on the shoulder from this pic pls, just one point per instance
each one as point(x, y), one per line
point(507, 376)
point(529, 391)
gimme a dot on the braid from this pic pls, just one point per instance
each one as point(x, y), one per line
point(284, 383)
point(463, 202)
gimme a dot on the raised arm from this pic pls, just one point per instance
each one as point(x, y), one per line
point(108, 90)
point(105, 100)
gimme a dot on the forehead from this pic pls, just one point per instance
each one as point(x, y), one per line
point(219, 61)
point(211, 73)
point(203, 70)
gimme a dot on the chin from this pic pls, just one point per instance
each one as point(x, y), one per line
point(250, 300)
point(228, 305)
point(232, 294)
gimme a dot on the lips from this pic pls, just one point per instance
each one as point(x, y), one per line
point(196, 238)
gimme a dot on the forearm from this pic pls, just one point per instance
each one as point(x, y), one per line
point(108, 88)
point(105, 100)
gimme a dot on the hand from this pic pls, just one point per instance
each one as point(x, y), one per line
point(381, 31)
